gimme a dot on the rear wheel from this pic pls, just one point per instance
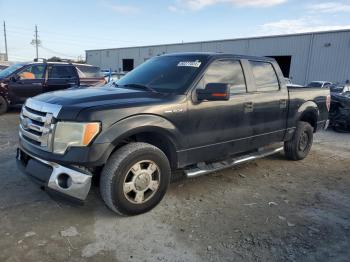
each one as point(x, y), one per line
point(135, 179)
point(3, 105)
point(299, 146)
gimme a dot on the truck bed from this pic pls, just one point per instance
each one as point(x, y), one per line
point(299, 95)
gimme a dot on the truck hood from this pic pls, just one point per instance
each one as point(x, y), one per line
point(75, 100)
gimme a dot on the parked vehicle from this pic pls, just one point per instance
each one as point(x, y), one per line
point(319, 84)
point(200, 112)
point(339, 114)
point(112, 76)
point(90, 75)
point(23, 80)
point(290, 84)
point(334, 88)
point(2, 67)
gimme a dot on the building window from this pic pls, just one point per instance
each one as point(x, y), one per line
point(128, 65)
point(107, 53)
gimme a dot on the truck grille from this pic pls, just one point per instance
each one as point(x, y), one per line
point(37, 123)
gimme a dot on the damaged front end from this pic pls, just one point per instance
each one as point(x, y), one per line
point(339, 114)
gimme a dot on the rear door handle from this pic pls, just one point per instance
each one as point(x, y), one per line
point(248, 107)
point(283, 103)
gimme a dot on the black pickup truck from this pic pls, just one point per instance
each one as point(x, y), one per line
point(23, 80)
point(199, 112)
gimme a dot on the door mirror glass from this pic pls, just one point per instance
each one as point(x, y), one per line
point(14, 78)
point(214, 92)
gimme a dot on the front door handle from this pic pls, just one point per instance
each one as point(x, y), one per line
point(248, 107)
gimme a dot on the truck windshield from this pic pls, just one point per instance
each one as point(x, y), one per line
point(8, 71)
point(168, 74)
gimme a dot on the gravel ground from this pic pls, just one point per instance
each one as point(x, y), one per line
point(267, 210)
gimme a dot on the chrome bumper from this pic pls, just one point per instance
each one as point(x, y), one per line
point(65, 180)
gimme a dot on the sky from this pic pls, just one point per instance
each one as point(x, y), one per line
point(67, 28)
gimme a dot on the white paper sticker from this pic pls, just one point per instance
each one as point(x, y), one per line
point(190, 63)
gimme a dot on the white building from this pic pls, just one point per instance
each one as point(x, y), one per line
point(303, 57)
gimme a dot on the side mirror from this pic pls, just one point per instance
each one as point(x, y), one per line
point(14, 78)
point(214, 92)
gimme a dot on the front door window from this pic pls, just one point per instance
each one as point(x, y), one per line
point(32, 72)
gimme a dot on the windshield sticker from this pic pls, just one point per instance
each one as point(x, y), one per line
point(190, 63)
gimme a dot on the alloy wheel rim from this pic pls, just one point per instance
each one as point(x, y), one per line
point(304, 141)
point(141, 182)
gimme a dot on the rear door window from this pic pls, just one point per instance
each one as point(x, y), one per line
point(61, 72)
point(265, 76)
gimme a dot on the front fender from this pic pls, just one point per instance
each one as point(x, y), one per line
point(138, 124)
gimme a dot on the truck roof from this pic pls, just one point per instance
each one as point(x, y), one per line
point(220, 55)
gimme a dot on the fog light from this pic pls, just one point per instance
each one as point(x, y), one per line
point(64, 181)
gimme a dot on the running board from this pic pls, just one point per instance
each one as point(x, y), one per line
point(203, 168)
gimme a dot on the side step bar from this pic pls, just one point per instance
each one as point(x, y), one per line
point(203, 168)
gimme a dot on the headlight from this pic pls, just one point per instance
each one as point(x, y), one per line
point(68, 134)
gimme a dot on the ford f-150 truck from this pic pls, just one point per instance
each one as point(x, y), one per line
point(199, 112)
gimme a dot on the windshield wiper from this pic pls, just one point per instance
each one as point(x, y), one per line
point(140, 86)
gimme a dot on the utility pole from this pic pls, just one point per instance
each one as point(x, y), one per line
point(6, 53)
point(36, 41)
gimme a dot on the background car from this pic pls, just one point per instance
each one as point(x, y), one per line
point(2, 67)
point(320, 84)
point(23, 80)
point(290, 84)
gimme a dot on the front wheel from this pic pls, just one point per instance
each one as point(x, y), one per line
point(299, 146)
point(135, 179)
point(3, 105)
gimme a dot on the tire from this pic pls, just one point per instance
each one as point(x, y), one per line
point(3, 105)
point(299, 146)
point(135, 179)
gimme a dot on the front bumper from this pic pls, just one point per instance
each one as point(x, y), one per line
point(73, 183)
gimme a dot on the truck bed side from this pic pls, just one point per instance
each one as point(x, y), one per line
point(307, 103)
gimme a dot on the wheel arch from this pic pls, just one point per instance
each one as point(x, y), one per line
point(308, 112)
point(154, 130)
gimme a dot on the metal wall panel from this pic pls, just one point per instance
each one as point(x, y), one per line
point(330, 57)
point(184, 48)
point(295, 46)
point(315, 56)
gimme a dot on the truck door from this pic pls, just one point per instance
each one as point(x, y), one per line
point(269, 102)
point(216, 128)
point(61, 76)
point(27, 83)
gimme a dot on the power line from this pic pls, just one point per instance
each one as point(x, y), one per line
point(65, 41)
point(57, 53)
point(76, 36)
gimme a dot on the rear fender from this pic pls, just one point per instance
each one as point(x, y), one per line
point(308, 112)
